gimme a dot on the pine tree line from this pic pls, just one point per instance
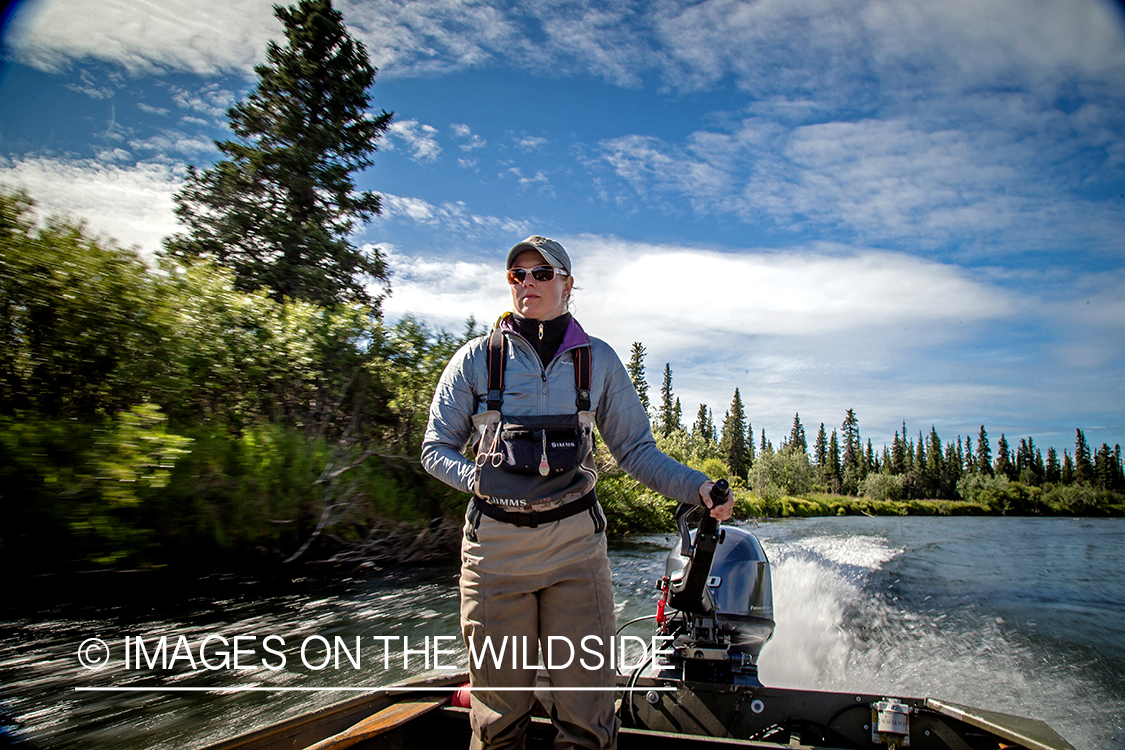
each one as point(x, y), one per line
point(843, 463)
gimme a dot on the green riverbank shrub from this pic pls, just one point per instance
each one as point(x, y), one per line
point(784, 473)
point(880, 486)
point(1082, 500)
point(1000, 495)
point(631, 508)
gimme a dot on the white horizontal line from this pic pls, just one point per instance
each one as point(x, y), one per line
point(392, 688)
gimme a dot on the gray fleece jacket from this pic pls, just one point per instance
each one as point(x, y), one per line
point(532, 389)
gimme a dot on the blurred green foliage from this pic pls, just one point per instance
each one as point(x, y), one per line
point(82, 323)
point(156, 412)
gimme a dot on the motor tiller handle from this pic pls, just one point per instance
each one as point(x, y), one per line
point(689, 594)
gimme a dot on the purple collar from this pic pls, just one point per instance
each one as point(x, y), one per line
point(573, 337)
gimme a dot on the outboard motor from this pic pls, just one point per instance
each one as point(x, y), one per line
point(718, 579)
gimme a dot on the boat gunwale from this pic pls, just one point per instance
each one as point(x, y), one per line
point(345, 713)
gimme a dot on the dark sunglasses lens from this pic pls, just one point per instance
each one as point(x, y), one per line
point(517, 275)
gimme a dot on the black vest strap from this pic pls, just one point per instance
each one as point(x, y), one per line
point(582, 375)
point(498, 360)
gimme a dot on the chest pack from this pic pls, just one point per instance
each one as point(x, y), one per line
point(528, 461)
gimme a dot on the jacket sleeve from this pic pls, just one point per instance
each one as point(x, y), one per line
point(624, 426)
point(450, 425)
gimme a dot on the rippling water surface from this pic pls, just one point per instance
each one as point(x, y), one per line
point(1025, 616)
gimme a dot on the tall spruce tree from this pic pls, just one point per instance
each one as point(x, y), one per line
point(820, 449)
point(934, 457)
point(984, 452)
point(280, 208)
point(833, 473)
point(898, 452)
point(636, 370)
point(702, 428)
point(849, 434)
point(1053, 472)
point(669, 420)
point(1004, 466)
point(797, 435)
point(1083, 466)
point(1103, 467)
point(732, 444)
point(853, 463)
point(1119, 469)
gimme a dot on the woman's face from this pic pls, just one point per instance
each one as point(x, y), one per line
point(539, 300)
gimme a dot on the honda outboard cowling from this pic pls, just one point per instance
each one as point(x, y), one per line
point(738, 616)
point(719, 581)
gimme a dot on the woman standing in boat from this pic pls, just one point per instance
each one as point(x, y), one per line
point(534, 568)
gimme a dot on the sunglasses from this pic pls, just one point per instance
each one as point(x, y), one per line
point(517, 276)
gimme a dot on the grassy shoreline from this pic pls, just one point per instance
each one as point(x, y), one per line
point(649, 513)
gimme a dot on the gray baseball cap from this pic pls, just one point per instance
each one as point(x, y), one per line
point(551, 251)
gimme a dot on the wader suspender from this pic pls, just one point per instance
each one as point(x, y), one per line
point(497, 361)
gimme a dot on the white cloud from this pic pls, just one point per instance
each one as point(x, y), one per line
point(834, 48)
point(152, 110)
point(209, 99)
point(530, 142)
point(453, 216)
point(821, 292)
point(131, 204)
point(471, 140)
point(426, 37)
point(207, 37)
point(537, 181)
point(652, 166)
point(599, 38)
point(419, 139)
point(176, 144)
point(1004, 176)
point(817, 331)
point(831, 48)
point(444, 292)
point(89, 86)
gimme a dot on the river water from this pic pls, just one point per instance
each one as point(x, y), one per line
point(1020, 615)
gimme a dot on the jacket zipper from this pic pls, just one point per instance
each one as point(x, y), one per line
point(542, 367)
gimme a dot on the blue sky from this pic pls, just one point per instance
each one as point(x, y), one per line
point(911, 208)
